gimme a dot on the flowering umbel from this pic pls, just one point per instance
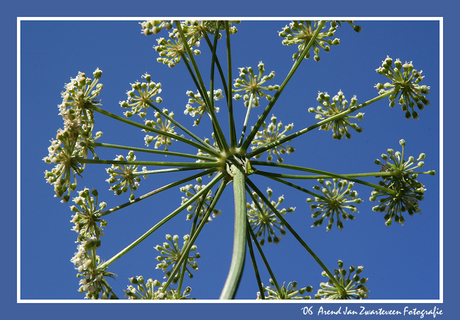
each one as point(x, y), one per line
point(401, 191)
point(288, 292)
point(171, 254)
point(74, 141)
point(124, 177)
point(226, 160)
point(142, 290)
point(301, 32)
point(201, 108)
point(251, 86)
point(405, 83)
point(263, 220)
point(86, 218)
point(88, 225)
point(350, 287)
point(172, 50)
point(140, 95)
point(337, 197)
point(198, 208)
point(161, 124)
point(328, 109)
point(270, 133)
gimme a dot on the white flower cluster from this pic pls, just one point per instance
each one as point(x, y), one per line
point(272, 133)
point(88, 225)
point(124, 177)
point(75, 139)
point(162, 125)
point(264, 221)
point(171, 254)
point(201, 108)
point(140, 95)
point(251, 87)
point(190, 190)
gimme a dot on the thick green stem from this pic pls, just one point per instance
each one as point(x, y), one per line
point(239, 240)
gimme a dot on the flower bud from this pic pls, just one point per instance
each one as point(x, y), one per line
point(97, 73)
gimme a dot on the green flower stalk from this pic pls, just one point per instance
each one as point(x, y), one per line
point(350, 287)
point(329, 109)
point(288, 292)
point(406, 193)
point(405, 85)
point(336, 199)
point(263, 220)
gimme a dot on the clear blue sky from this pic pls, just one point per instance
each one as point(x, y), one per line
point(401, 262)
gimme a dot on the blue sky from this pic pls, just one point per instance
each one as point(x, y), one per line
point(401, 262)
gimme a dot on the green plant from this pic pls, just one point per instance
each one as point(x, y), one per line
point(228, 159)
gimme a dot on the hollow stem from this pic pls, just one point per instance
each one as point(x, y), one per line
point(239, 240)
